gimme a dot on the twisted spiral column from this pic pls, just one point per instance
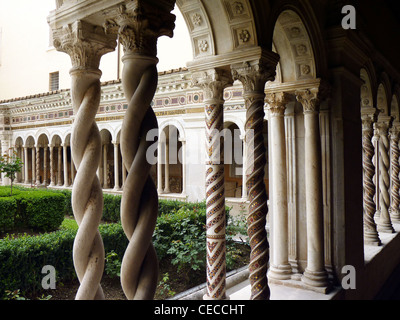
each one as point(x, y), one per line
point(37, 165)
point(139, 24)
point(86, 44)
point(384, 224)
point(215, 202)
point(395, 166)
point(370, 230)
point(139, 205)
point(213, 83)
point(253, 76)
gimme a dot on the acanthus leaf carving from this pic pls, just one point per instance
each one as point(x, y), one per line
point(139, 27)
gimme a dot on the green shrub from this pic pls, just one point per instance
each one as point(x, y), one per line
point(111, 208)
point(8, 213)
point(22, 259)
point(42, 210)
point(182, 236)
point(35, 209)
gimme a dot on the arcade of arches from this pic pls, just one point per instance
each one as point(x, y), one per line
point(310, 115)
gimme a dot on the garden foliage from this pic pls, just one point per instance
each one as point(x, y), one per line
point(179, 237)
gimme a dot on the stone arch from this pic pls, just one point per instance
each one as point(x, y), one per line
point(367, 98)
point(30, 141)
point(56, 137)
point(42, 136)
point(394, 108)
point(228, 118)
point(108, 128)
point(302, 29)
point(177, 124)
point(382, 100)
point(219, 27)
point(292, 42)
point(18, 141)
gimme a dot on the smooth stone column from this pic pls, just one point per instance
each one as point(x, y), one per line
point(280, 268)
point(59, 166)
point(34, 165)
point(116, 166)
point(52, 171)
point(315, 274)
point(26, 166)
point(65, 162)
point(45, 166)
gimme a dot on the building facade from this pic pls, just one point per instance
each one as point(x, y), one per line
point(309, 109)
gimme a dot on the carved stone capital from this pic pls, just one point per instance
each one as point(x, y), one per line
point(254, 75)
point(381, 128)
point(140, 23)
point(394, 133)
point(277, 102)
point(310, 100)
point(367, 122)
point(212, 82)
point(84, 43)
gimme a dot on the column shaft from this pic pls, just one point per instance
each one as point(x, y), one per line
point(52, 167)
point(315, 274)
point(280, 268)
point(213, 83)
point(116, 167)
point(371, 236)
point(59, 164)
point(254, 75)
point(38, 165)
point(45, 166)
point(26, 165)
point(382, 127)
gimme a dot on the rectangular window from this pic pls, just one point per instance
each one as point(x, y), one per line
point(54, 81)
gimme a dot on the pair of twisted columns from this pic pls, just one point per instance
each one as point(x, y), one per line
point(139, 24)
point(383, 145)
point(371, 236)
point(138, 27)
point(253, 76)
point(395, 172)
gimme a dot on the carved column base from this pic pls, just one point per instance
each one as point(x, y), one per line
point(385, 227)
point(281, 272)
point(394, 215)
point(316, 280)
point(371, 238)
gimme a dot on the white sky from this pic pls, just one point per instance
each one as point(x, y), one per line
point(171, 53)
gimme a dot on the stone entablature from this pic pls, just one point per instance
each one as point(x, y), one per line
point(174, 96)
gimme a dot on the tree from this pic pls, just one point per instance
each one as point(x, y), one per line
point(10, 165)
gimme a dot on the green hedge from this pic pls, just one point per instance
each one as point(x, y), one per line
point(39, 210)
point(22, 259)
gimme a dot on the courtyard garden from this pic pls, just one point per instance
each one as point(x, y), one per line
point(37, 228)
